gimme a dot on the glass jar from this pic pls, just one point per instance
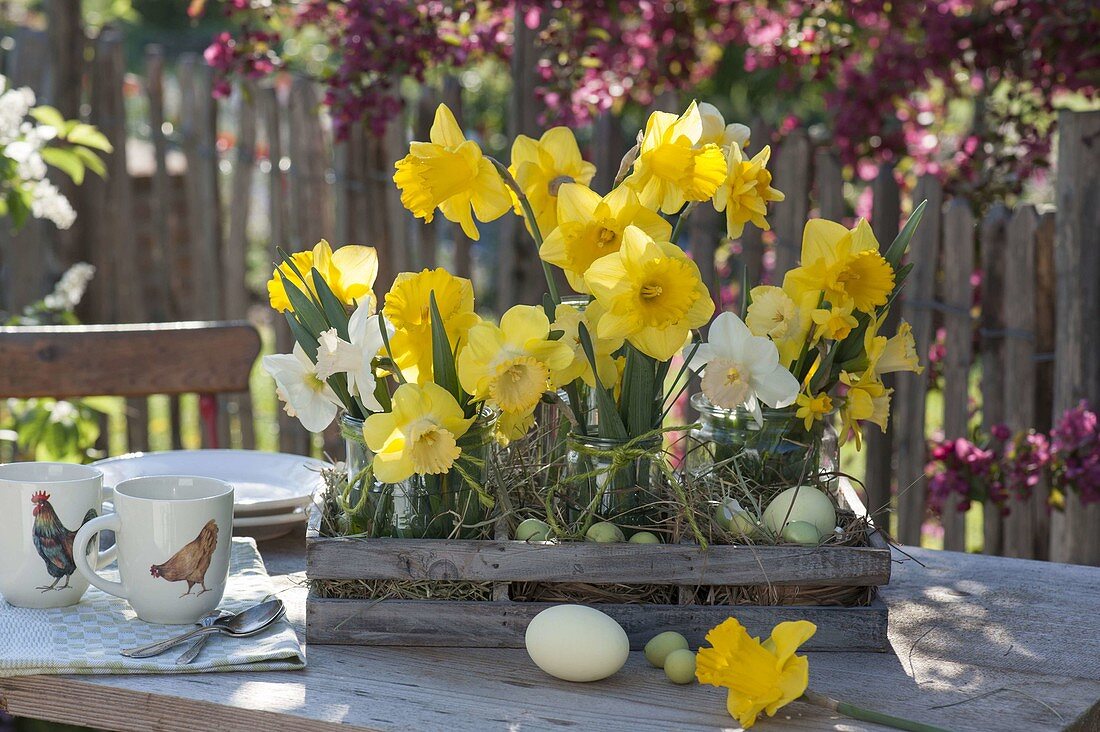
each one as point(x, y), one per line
point(452, 505)
point(612, 480)
point(777, 453)
point(367, 505)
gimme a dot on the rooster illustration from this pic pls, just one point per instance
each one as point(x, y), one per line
point(190, 563)
point(53, 541)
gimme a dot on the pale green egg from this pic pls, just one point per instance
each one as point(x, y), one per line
point(801, 532)
point(533, 529)
point(662, 644)
point(576, 643)
point(680, 666)
point(644, 537)
point(604, 532)
point(802, 503)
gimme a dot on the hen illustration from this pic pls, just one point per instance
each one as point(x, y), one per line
point(53, 541)
point(190, 563)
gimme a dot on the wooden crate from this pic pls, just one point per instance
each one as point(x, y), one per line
point(501, 623)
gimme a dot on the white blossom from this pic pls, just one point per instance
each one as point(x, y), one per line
point(48, 203)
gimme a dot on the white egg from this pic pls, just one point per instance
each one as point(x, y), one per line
point(576, 643)
point(809, 505)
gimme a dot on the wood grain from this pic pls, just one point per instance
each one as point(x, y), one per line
point(126, 360)
point(470, 624)
point(958, 266)
point(912, 389)
point(503, 561)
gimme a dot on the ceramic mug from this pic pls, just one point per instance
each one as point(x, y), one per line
point(42, 505)
point(173, 535)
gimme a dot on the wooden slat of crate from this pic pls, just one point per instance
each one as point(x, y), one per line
point(517, 561)
point(503, 624)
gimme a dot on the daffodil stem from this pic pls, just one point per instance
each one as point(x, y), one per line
point(867, 715)
point(680, 217)
point(533, 224)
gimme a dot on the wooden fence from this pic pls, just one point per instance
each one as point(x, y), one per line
point(170, 229)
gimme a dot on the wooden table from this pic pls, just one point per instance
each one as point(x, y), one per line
point(979, 643)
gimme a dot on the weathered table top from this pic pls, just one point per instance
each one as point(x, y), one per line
point(979, 643)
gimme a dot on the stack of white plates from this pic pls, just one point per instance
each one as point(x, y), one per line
point(271, 490)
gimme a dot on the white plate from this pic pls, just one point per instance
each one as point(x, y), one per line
point(264, 483)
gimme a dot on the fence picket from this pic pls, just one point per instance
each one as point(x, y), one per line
point(792, 176)
point(993, 246)
point(912, 389)
point(1075, 536)
point(829, 186)
point(1019, 362)
point(958, 266)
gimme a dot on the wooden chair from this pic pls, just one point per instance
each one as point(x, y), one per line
point(139, 360)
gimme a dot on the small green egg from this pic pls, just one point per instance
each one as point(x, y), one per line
point(662, 644)
point(644, 537)
point(604, 532)
point(801, 532)
point(533, 529)
point(680, 666)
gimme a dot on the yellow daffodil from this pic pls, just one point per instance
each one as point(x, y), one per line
point(670, 169)
point(590, 227)
point(773, 313)
point(867, 400)
point(511, 366)
point(451, 173)
point(419, 436)
point(568, 319)
point(761, 676)
point(350, 272)
point(813, 408)
point(542, 166)
point(717, 132)
point(834, 323)
point(885, 356)
point(651, 295)
point(407, 310)
point(746, 191)
point(844, 264)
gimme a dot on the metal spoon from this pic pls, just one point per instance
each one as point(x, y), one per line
point(254, 620)
point(195, 648)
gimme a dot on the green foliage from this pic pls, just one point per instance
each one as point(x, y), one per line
point(59, 431)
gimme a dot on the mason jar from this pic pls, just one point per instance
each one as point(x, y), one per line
point(613, 480)
point(778, 452)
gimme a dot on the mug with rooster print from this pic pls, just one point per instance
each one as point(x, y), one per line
point(173, 535)
point(42, 505)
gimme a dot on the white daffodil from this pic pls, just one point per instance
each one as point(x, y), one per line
point(307, 396)
point(740, 369)
point(337, 356)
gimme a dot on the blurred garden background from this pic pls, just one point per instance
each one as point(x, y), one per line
point(242, 126)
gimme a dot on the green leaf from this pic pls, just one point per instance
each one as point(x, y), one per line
point(333, 308)
point(66, 161)
point(444, 372)
point(88, 136)
point(18, 208)
point(306, 310)
point(307, 341)
point(901, 243)
point(639, 402)
point(49, 116)
point(610, 423)
point(91, 161)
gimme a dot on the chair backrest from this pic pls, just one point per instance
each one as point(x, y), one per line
point(127, 360)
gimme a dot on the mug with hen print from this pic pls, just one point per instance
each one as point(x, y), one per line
point(42, 505)
point(173, 535)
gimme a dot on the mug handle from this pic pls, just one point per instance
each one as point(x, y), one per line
point(87, 532)
point(107, 494)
